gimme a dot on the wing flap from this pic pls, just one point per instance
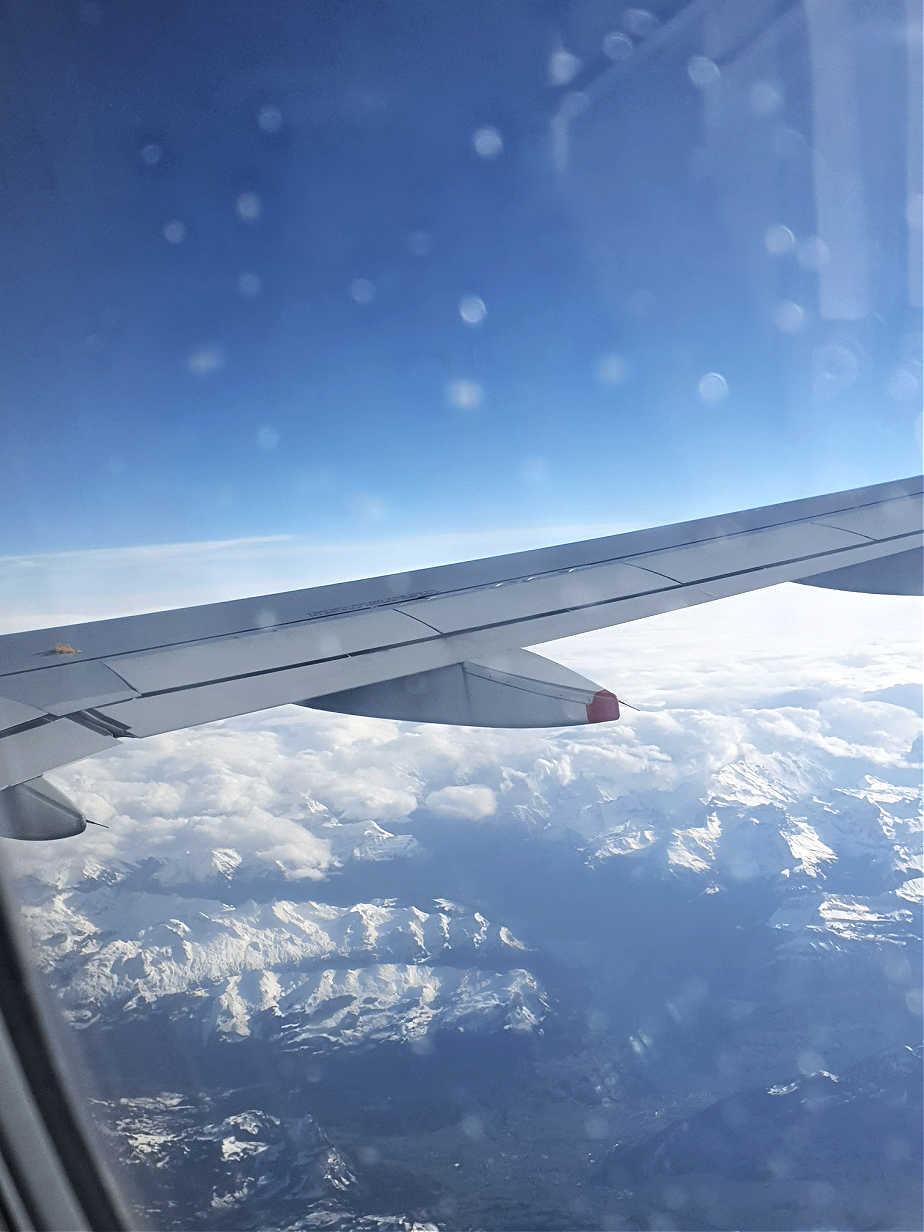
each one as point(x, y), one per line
point(27, 753)
point(15, 714)
point(69, 687)
point(517, 689)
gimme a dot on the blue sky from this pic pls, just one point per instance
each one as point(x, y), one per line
point(243, 243)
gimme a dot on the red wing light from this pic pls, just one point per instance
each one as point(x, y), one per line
point(603, 708)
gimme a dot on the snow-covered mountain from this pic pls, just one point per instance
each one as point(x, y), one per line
point(131, 940)
point(303, 975)
point(510, 964)
point(768, 816)
point(831, 1150)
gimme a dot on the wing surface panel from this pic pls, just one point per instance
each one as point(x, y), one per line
point(243, 654)
point(748, 551)
point(25, 754)
point(62, 690)
point(883, 520)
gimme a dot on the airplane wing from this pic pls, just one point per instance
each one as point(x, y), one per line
point(435, 645)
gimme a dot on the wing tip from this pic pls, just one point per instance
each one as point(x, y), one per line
point(603, 707)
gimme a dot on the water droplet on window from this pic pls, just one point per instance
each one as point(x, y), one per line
point(809, 1062)
point(249, 285)
point(267, 437)
point(703, 72)
point(369, 508)
point(249, 206)
point(574, 103)
point(835, 367)
point(151, 153)
point(789, 316)
point(779, 1165)
point(789, 143)
point(269, 118)
point(205, 360)
point(91, 13)
point(639, 22)
point(611, 369)
point(472, 309)
point(368, 1155)
point(596, 1127)
point(174, 231)
point(420, 243)
point(472, 1127)
point(779, 240)
point(897, 969)
point(674, 1196)
point(564, 66)
point(813, 253)
point(617, 46)
point(765, 98)
point(734, 1114)
point(821, 1193)
point(903, 385)
point(488, 142)
point(534, 470)
point(641, 303)
point(362, 291)
point(712, 388)
point(464, 395)
point(702, 162)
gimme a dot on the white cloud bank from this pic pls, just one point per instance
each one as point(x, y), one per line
point(473, 803)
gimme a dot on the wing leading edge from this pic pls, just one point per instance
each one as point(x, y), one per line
point(425, 645)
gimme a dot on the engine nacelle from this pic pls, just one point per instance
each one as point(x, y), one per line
point(36, 810)
point(515, 689)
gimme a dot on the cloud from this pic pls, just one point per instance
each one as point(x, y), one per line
point(472, 802)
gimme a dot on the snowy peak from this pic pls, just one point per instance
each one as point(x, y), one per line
point(312, 974)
